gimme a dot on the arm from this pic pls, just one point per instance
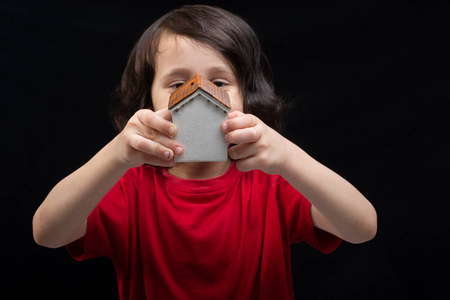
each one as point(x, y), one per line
point(62, 217)
point(337, 206)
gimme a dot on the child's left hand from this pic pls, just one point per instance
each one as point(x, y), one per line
point(255, 145)
point(336, 205)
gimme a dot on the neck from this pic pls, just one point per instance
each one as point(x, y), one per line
point(200, 170)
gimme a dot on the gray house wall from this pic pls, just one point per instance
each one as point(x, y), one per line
point(198, 120)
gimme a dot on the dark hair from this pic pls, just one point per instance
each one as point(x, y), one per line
point(214, 27)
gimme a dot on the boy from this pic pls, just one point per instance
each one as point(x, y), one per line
point(217, 230)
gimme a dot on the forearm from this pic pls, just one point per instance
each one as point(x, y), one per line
point(71, 201)
point(337, 206)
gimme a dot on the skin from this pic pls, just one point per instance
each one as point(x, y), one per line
point(337, 206)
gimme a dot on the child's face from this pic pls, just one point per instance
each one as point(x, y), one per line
point(179, 58)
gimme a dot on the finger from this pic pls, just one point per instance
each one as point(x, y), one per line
point(238, 120)
point(149, 118)
point(235, 113)
point(242, 151)
point(156, 122)
point(164, 113)
point(246, 135)
point(247, 164)
point(160, 162)
point(169, 143)
point(159, 138)
point(150, 147)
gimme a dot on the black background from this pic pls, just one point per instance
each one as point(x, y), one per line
point(369, 80)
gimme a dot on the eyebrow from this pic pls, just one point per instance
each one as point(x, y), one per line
point(184, 72)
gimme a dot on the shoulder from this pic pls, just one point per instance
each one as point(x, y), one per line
point(260, 177)
point(270, 186)
point(138, 174)
point(134, 178)
point(273, 182)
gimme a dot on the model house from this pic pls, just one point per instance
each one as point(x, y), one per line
point(198, 108)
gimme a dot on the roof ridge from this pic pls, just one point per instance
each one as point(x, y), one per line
point(195, 83)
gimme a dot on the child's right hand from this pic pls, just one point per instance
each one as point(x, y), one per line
point(148, 138)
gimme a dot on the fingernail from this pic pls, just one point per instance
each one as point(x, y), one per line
point(224, 127)
point(171, 130)
point(167, 155)
point(178, 150)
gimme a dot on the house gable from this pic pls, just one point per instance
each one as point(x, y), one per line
point(199, 83)
point(198, 113)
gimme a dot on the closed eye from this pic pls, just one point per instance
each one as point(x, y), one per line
point(220, 83)
point(176, 85)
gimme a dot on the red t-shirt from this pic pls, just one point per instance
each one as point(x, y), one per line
point(222, 238)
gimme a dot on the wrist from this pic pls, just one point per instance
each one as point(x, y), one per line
point(111, 155)
point(294, 160)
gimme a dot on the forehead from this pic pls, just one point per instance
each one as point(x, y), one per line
point(175, 51)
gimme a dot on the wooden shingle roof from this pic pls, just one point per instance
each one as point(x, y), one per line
point(195, 83)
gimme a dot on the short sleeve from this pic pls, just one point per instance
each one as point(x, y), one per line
point(299, 223)
point(107, 225)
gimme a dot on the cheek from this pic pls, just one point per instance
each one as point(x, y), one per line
point(159, 101)
point(237, 102)
point(158, 105)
